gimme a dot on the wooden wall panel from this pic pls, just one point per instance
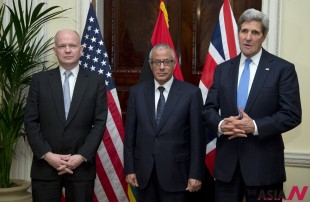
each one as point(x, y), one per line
point(128, 27)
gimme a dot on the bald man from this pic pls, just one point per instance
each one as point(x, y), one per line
point(65, 118)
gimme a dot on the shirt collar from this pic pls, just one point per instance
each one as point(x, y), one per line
point(255, 59)
point(74, 71)
point(167, 85)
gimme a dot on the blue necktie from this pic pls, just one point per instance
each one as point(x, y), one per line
point(66, 92)
point(242, 95)
point(160, 105)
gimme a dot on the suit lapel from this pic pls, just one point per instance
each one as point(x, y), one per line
point(79, 90)
point(233, 74)
point(173, 97)
point(262, 73)
point(57, 94)
point(149, 96)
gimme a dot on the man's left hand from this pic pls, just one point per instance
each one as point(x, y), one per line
point(193, 185)
point(72, 163)
point(243, 125)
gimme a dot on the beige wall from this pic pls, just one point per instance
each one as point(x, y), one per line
point(71, 16)
point(295, 47)
point(300, 177)
point(70, 21)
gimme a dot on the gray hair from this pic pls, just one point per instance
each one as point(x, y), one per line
point(161, 46)
point(254, 15)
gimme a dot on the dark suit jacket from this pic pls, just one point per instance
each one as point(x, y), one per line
point(48, 130)
point(176, 148)
point(274, 104)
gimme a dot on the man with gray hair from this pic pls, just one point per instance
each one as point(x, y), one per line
point(164, 143)
point(254, 98)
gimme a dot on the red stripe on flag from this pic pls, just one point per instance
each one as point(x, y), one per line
point(62, 199)
point(110, 146)
point(116, 161)
point(95, 199)
point(208, 71)
point(104, 180)
point(115, 113)
point(229, 29)
point(209, 161)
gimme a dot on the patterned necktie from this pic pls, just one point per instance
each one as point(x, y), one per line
point(66, 92)
point(242, 95)
point(160, 105)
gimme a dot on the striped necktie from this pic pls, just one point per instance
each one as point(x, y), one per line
point(160, 105)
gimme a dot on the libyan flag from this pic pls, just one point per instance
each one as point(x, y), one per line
point(160, 35)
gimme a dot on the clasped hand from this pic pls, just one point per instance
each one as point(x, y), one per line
point(237, 126)
point(193, 185)
point(64, 163)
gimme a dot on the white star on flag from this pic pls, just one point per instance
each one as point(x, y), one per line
point(95, 59)
point(110, 184)
point(90, 48)
point(98, 51)
point(93, 39)
point(108, 74)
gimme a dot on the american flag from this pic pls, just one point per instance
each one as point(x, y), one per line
point(110, 184)
point(224, 45)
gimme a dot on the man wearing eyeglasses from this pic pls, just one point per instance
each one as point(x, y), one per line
point(164, 145)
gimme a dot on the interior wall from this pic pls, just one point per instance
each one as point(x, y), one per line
point(300, 177)
point(294, 46)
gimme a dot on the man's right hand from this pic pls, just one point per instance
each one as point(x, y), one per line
point(58, 161)
point(132, 179)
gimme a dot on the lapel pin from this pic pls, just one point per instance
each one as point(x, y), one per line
point(267, 69)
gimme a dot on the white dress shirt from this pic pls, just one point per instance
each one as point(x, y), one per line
point(72, 78)
point(167, 87)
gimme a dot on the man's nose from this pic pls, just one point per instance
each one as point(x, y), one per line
point(248, 36)
point(68, 49)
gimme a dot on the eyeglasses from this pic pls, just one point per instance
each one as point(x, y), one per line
point(157, 63)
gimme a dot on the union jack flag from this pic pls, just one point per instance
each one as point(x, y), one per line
point(224, 45)
point(110, 184)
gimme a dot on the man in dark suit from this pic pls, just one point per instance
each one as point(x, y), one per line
point(164, 147)
point(250, 151)
point(64, 138)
